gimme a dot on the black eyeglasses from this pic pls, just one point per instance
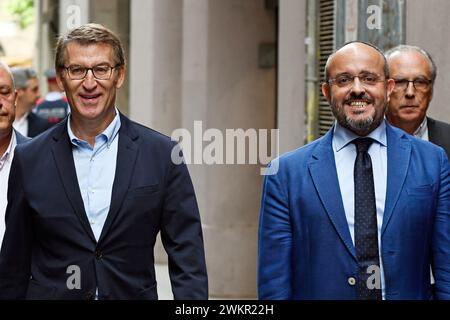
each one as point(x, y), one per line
point(347, 80)
point(418, 84)
point(100, 72)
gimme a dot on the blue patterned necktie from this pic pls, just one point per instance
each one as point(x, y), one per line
point(366, 239)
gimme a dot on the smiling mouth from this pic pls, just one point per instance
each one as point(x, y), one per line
point(90, 96)
point(359, 104)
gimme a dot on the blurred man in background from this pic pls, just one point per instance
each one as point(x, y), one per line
point(27, 86)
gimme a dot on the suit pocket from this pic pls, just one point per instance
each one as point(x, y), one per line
point(37, 291)
point(421, 191)
point(149, 293)
point(143, 191)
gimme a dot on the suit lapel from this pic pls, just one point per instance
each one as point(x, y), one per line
point(398, 157)
point(126, 158)
point(322, 168)
point(62, 153)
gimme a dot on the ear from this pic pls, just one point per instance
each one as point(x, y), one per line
point(390, 85)
point(326, 91)
point(19, 93)
point(59, 79)
point(121, 76)
point(16, 95)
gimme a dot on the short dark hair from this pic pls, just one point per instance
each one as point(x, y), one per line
point(386, 66)
point(423, 52)
point(87, 34)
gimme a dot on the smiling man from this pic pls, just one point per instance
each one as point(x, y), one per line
point(414, 72)
point(88, 197)
point(363, 212)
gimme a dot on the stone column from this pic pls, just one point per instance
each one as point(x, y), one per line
point(155, 63)
point(291, 74)
point(224, 87)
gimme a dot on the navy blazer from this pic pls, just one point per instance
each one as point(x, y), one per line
point(36, 124)
point(305, 247)
point(47, 230)
point(439, 133)
point(20, 138)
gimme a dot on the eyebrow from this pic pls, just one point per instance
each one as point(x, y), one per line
point(84, 66)
point(362, 72)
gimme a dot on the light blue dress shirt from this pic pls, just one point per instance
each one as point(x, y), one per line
point(345, 156)
point(96, 168)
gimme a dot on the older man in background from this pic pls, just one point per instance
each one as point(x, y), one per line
point(9, 138)
point(414, 72)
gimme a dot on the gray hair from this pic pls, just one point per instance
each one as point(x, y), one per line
point(88, 34)
point(5, 67)
point(425, 54)
point(21, 76)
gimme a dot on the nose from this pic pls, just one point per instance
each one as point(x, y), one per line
point(357, 87)
point(410, 90)
point(89, 81)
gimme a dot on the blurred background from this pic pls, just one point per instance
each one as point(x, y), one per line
point(230, 64)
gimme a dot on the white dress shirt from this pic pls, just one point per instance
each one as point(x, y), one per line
point(5, 167)
point(21, 125)
point(345, 156)
point(422, 131)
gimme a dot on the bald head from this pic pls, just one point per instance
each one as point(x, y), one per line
point(358, 87)
point(352, 47)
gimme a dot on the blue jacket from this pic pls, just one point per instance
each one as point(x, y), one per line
point(305, 247)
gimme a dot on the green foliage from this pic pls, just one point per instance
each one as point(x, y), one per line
point(22, 10)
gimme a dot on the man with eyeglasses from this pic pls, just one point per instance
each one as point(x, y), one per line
point(414, 72)
point(88, 197)
point(363, 212)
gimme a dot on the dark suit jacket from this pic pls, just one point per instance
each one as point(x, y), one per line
point(439, 133)
point(36, 125)
point(20, 138)
point(305, 247)
point(47, 229)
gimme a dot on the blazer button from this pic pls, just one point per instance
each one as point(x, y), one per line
point(90, 295)
point(98, 255)
point(351, 281)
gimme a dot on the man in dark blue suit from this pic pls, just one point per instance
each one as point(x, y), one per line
point(88, 197)
point(363, 212)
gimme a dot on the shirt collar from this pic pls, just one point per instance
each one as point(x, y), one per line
point(23, 119)
point(420, 131)
point(9, 150)
point(109, 133)
point(342, 136)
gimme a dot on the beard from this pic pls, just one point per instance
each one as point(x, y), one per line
point(361, 127)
